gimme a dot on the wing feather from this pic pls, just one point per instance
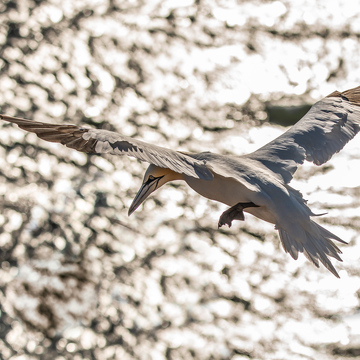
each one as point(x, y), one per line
point(103, 141)
point(322, 132)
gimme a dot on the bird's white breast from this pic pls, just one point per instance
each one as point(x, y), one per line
point(225, 190)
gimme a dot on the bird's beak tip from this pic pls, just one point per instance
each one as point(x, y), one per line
point(139, 199)
point(145, 190)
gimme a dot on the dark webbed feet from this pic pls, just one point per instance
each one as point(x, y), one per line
point(234, 213)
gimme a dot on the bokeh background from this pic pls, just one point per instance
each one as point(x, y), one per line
point(81, 280)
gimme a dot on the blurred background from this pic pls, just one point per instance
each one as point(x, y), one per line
point(81, 280)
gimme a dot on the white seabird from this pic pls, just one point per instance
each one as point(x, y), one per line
point(256, 183)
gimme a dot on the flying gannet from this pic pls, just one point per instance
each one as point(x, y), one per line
point(256, 183)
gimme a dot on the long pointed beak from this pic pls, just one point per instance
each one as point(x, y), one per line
point(145, 190)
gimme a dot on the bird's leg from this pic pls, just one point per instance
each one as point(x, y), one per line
point(234, 213)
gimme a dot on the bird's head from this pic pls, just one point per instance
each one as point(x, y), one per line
point(154, 178)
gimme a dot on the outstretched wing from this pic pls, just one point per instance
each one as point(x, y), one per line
point(322, 132)
point(103, 141)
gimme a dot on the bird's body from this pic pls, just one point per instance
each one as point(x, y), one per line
point(227, 177)
point(245, 180)
point(257, 183)
point(237, 188)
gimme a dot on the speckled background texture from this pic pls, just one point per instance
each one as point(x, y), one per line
point(81, 280)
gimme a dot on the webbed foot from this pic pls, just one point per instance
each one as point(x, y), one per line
point(234, 213)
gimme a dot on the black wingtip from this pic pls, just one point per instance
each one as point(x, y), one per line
point(351, 95)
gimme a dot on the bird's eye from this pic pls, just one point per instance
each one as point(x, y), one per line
point(151, 178)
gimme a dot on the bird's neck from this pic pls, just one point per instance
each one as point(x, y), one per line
point(172, 176)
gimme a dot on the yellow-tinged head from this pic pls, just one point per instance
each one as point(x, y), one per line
point(154, 178)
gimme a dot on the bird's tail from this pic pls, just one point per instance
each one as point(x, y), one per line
point(315, 243)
